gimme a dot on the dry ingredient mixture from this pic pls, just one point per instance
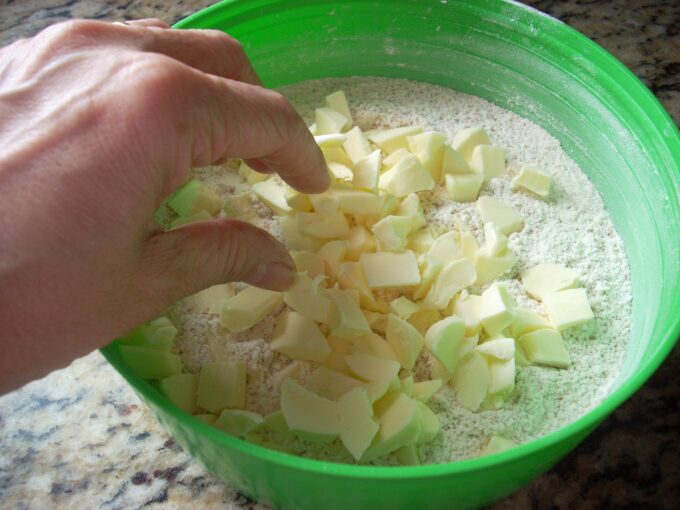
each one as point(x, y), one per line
point(571, 228)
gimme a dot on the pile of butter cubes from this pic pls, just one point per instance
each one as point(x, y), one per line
point(366, 235)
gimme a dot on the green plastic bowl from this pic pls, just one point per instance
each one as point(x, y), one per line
point(527, 62)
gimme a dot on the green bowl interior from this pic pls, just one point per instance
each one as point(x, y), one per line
point(522, 60)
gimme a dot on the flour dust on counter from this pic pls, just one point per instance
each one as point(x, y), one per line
point(566, 227)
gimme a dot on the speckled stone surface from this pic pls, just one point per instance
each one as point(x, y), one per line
point(80, 438)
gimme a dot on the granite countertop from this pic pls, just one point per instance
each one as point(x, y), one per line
point(81, 438)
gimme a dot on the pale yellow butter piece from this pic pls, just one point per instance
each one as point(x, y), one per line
point(495, 242)
point(323, 226)
point(453, 278)
point(467, 306)
point(350, 276)
point(330, 140)
point(444, 249)
point(312, 129)
point(295, 239)
point(374, 344)
point(221, 385)
point(504, 216)
point(248, 307)
point(238, 422)
point(372, 368)
point(444, 339)
point(404, 339)
point(289, 371)
point(307, 297)
point(333, 253)
point(533, 180)
point(325, 203)
point(367, 172)
point(395, 158)
point(357, 425)
point(391, 232)
point(399, 420)
point(429, 148)
point(421, 241)
point(360, 241)
point(467, 243)
point(501, 381)
point(471, 380)
point(453, 162)
point(298, 201)
point(337, 155)
point(309, 262)
point(526, 321)
point(345, 318)
point(502, 349)
point(406, 385)
point(497, 444)
point(545, 279)
point(463, 187)
point(299, 338)
point(390, 140)
point(338, 102)
point(376, 320)
point(423, 319)
point(497, 309)
point(545, 347)
point(308, 414)
point(429, 424)
point(356, 145)
point(424, 390)
point(359, 202)
point(340, 172)
point(403, 307)
point(386, 269)
point(251, 176)
point(410, 207)
point(329, 121)
point(568, 308)
point(332, 384)
point(467, 139)
point(407, 176)
point(408, 455)
point(272, 195)
point(212, 299)
point(488, 160)
point(489, 268)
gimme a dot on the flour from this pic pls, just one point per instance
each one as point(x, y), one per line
point(571, 228)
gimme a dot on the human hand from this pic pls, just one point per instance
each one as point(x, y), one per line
point(100, 122)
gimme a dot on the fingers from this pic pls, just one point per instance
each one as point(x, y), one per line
point(193, 257)
point(257, 124)
point(146, 22)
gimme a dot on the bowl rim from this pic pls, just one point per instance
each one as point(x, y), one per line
point(585, 423)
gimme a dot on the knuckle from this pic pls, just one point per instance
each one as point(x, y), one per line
point(72, 33)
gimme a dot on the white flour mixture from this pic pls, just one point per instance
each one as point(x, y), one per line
point(571, 228)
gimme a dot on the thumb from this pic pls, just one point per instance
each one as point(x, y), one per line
point(195, 256)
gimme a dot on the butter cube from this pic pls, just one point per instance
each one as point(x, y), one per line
point(467, 307)
point(338, 102)
point(429, 148)
point(313, 130)
point(308, 298)
point(504, 216)
point(467, 139)
point(410, 207)
point(408, 455)
point(360, 241)
point(337, 155)
point(444, 249)
point(180, 389)
point(325, 203)
point(350, 276)
point(250, 175)
point(395, 157)
point(329, 121)
point(471, 380)
point(501, 380)
point(390, 140)
point(497, 309)
point(489, 268)
point(421, 241)
point(332, 384)
point(308, 262)
point(502, 349)
point(403, 307)
point(323, 226)
point(526, 321)
point(238, 422)
point(495, 242)
point(467, 243)
point(423, 319)
point(544, 279)
point(376, 320)
point(386, 269)
point(454, 163)
point(328, 141)
point(211, 299)
point(221, 385)
point(463, 187)
point(291, 370)
point(405, 340)
point(357, 425)
point(151, 363)
point(545, 347)
point(299, 338)
point(488, 161)
point(194, 197)
point(372, 368)
point(533, 180)
point(374, 344)
point(399, 420)
point(497, 444)
point(444, 339)
point(429, 424)
point(568, 308)
point(359, 202)
point(407, 176)
point(455, 276)
point(367, 172)
point(298, 201)
point(423, 390)
point(248, 307)
point(333, 253)
point(345, 318)
point(356, 145)
point(392, 232)
point(340, 172)
point(310, 416)
point(295, 239)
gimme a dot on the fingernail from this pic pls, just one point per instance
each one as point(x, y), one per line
point(274, 276)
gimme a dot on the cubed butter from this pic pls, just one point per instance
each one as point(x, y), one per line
point(332, 140)
point(360, 241)
point(367, 172)
point(357, 425)
point(309, 415)
point(359, 202)
point(404, 339)
point(248, 307)
point(423, 390)
point(454, 277)
point(338, 102)
point(502, 348)
point(340, 172)
point(309, 262)
point(526, 321)
point(346, 319)
point(544, 279)
point(400, 425)
point(151, 363)
point(403, 307)
point(238, 422)
point(467, 139)
point(273, 195)
point(390, 140)
point(429, 148)
point(391, 233)
point(545, 347)
point(497, 309)
point(374, 344)
point(463, 187)
point(332, 384)
point(467, 307)
point(222, 385)
point(356, 145)
point(180, 389)
point(488, 161)
point(471, 380)
point(568, 308)
point(333, 253)
point(533, 180)
point(371, 368)
point(453, 162)
point(410, 207)
point(386, 269)
point(421, 241)
point(329, 121)
point(497, 444)
point(407, 176)
point(299, 338)
point(444, 339)
point(307, 297)
point(504, 216)
point(322, 226)
point(194, 197)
